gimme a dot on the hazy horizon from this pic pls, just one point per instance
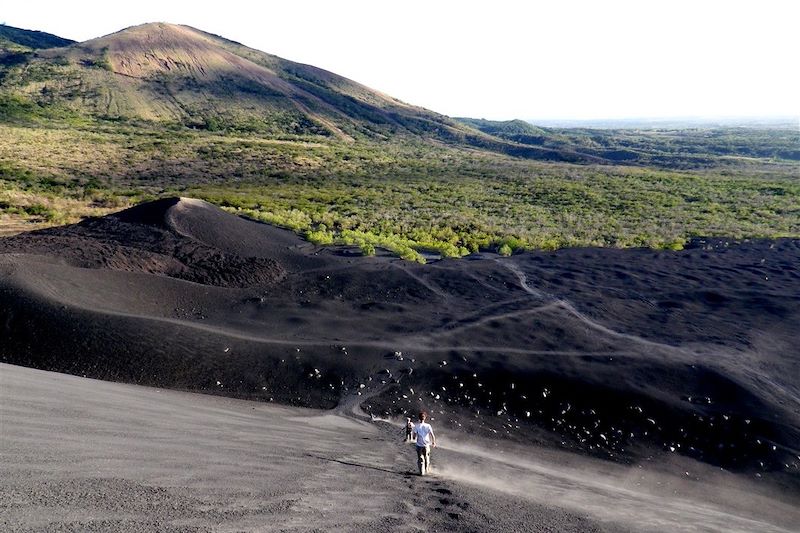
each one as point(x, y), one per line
point(689, 121)
point(575, 61)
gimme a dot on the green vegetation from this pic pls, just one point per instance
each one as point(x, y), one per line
point(666, 148)
point(31, 39)
point(338, 163)
point(408, 196)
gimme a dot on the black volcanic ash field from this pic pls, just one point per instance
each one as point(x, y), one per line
point(622, 354)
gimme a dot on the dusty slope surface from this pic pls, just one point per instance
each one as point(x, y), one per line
point(84, 455)
point(634, 356)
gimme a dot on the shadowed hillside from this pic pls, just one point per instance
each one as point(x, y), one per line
point(10, 36)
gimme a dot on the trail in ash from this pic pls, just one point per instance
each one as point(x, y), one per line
point(350, 404)
point(213, 462)
point(461, 325)
point(426, 343)
point(567, 306)
point(722, 360)
point(617, 495)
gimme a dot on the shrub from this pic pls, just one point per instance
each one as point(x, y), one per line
point(676, 244)
point(320, 238)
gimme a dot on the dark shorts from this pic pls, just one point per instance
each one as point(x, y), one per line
point(424, 451)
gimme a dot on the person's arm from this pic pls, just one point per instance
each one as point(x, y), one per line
point(433, 438)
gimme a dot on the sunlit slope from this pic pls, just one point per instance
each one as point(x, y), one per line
point(180, 76)
point(176, 74)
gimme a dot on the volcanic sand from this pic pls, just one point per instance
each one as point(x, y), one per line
point(80, 454)
point(671, 361)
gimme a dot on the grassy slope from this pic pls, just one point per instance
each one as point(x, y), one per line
point(31, 39)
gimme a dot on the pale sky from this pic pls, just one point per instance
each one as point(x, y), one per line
point(503, 59)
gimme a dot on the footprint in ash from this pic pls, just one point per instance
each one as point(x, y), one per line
point(448, 503)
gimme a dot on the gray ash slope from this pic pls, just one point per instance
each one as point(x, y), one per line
point(624, 354)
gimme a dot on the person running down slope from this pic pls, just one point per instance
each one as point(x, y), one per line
point(423, 433)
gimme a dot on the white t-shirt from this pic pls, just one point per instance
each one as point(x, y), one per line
point(424, 432)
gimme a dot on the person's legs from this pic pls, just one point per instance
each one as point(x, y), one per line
point(422, 461)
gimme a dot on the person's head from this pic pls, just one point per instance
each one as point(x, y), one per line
point(423, 416)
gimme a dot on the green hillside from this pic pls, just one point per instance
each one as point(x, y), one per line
point(687, 147)
point(504, 128)
point(161, 109)
point(178, 76)
point(17, 47)
point(30, 39)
